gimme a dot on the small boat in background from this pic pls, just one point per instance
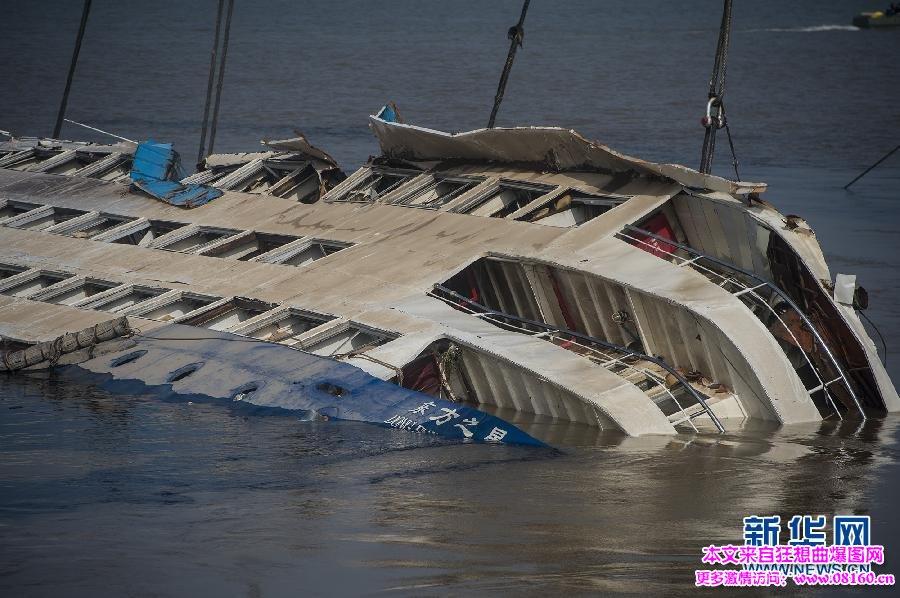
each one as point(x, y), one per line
point(878, 18)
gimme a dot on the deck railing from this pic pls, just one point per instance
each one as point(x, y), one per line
point(610, 353)
point(749, 288)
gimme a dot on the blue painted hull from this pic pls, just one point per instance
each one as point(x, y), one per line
point(183, 363)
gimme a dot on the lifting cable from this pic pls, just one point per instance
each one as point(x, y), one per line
point(867, 170)
point(734, 160)
point(213, 63)
point(715, 106)
point(215, 115)
point(884, 346)
point(61, 115)
point(516, 35)
point(201, 155)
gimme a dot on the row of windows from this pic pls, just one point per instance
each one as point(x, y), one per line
point(284, 176)
point(503, 198)
point(302, 329)
point(79, 160)
point(227, 243)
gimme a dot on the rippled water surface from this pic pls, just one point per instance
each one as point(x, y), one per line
point(113, 495)
point(125, 496)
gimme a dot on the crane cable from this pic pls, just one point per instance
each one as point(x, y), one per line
point(715, 106)
point(201, 155)
point(215, 115)
point(61, 115)
point(516, 35)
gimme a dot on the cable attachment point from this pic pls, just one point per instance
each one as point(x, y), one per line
point(719, 118)
point(516, 34)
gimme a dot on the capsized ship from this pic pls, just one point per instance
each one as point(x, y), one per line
point(510, 270)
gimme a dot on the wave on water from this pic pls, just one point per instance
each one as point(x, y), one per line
point(811, 29)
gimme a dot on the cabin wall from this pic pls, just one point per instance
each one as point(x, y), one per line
point(486, 379)
point(603, 309)
point(727, 232)
point(733, 234)
point(693, 345)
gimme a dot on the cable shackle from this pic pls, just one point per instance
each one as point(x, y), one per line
point(713, 123)
point(719, 119)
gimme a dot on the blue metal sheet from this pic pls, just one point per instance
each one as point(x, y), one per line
point(388, 113)
point(185, 196)
point(153, 161)
point(154, 165)
point(186, 363)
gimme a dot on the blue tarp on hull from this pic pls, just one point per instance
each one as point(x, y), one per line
point(183, 362)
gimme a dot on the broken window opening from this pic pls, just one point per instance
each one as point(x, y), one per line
point(226, 315)
point(497, 284)
point(284, 177)
point(660, 229)
point(10, 208)
point(440, 372)
point(147, 231)
point(100, 225)
point(374, 184)
point(572, 208)
point(122, 299)
point(105, 167)
point(171, 307)
point(332, 389)
point(196, 241)
point(38, 281)
point(440, 191)
point(234, 179)
point(63, 163)
point(20, 160)
point(284, 326)
point(503, 198)
point(245, 392)
point(71, 294)
point(7, 270)
point(315, 250)
point(247, 247)
point(45, 217)
point(352, 338)
point(302, 186)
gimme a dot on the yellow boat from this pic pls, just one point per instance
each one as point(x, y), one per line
point(866, 20)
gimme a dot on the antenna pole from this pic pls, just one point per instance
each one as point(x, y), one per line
point(61, 115)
